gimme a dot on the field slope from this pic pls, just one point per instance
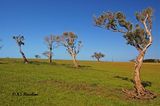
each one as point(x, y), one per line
point(94, 84)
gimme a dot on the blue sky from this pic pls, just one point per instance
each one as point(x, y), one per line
point(36, 19)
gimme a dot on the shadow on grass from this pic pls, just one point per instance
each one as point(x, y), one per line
point(144, 83)
point(3, 63)
point(56, 64)
point(72, 66)
point(39, 63)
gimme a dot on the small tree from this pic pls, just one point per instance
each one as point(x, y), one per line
point(49, 41)
point(37, 56)
point(20, 41)
point(69, 41)
point(98, 56)
point(138, 36)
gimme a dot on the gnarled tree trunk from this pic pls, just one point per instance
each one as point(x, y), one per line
point(141, 92)
point(137, 80)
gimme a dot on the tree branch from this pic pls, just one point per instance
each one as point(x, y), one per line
point(122, 31)
point(148, 33)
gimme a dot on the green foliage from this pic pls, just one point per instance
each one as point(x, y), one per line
point(98, 55)
point(69, 40)
point(137, 38)
point(135, 35)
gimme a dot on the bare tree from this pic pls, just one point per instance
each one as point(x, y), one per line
point(69, 40)
point(49, 41)
point(20, 41)
point(98, 56)
point(138, 36)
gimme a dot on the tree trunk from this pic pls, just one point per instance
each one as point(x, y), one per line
point(98, 59)
point(23, 55)
point(50, 58)
point(75, 61)
point(50, 55)
point(140, 92)
point(137, 80)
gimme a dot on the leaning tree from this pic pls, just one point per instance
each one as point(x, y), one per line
point(138, 35)
point(49, 41)
point(98, 55)
point(69, 40)
point(20, 41)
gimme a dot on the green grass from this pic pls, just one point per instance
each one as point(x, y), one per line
point(94, 84)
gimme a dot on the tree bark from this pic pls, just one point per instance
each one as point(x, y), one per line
point(137, 80)
point(23, 55)
point(139, 60)
point(50, 58)
point(50, 55)
point(75, 61)
point(140, 90)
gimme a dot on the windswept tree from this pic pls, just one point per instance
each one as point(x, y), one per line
point(98, 56)
point(20, 41)
point(37, 56)
point(138, 35)
point(51, 42)
point(69, 41)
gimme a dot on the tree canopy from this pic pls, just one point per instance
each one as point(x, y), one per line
point(19, 39)
point(135, 34)
point(98, 55)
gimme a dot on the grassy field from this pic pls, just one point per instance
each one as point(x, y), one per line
point(94, 84)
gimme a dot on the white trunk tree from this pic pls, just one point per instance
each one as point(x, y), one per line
point(138, 36)
point(69, 40)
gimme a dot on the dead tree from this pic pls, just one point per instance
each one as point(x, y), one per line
point(138, 36)
point(20, 41)
point(69, 41)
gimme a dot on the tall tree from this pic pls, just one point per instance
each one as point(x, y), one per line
point(20, 41)
point(69, 40)
point(138, 36)
point(49, 41)
point(98, 56)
